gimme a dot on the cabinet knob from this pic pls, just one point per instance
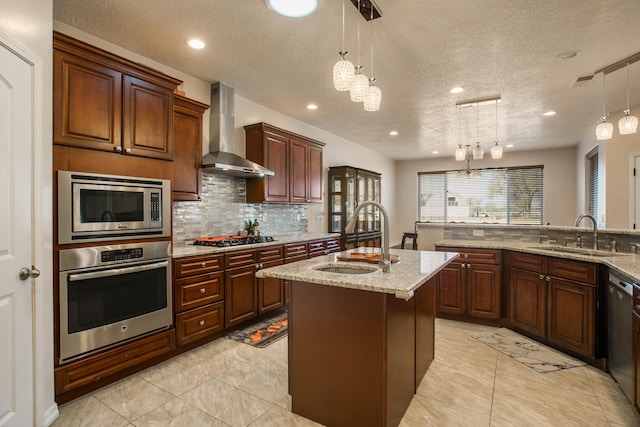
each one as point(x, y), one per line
point(117, 148)
point(466, 255)
point(548, 279)
point(202, 323)
point(541, 276)
point(203, 264)
point(127, 150)
point(202, 290)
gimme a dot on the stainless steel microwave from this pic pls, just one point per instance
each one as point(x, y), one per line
point(95, 207)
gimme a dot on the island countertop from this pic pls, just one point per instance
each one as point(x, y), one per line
point(412, 270)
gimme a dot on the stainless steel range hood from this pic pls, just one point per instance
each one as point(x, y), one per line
point(221, 157)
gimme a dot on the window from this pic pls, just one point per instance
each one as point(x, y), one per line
point(494, 196)
point(592, 183)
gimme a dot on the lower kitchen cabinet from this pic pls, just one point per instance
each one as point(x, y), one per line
point(241, 295)
point(199, 323)
point(270, 290)
point(636, 348)
point(555, 299)
point(471, 285)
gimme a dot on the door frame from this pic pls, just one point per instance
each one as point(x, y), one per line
point(45, 410)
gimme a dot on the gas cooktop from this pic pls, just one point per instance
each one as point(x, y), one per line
point(224, 241)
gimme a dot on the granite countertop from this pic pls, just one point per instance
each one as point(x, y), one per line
point(623, 263)
point(413, 269)
point(189, 249)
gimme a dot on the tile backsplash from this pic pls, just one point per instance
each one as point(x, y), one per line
point(223, 211)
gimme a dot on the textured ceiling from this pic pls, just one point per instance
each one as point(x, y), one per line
point(421, 50)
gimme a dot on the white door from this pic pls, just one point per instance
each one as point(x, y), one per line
point(16, 160)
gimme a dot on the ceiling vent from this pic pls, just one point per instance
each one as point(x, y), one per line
point(581, 81)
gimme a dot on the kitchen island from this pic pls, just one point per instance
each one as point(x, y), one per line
point(359, 344)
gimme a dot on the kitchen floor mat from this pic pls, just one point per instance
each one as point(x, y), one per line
point(263, 333)
point(536, 356)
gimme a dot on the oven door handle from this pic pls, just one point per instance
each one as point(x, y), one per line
point(116, 271)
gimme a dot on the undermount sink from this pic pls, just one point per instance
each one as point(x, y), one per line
point(346, 269)
point(578, 251)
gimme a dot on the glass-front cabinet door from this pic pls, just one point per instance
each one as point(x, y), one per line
point(335, 204)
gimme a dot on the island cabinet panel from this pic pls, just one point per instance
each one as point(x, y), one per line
point(557, 300)
point(636, 348)
point(351, 355)
point(107, 103)
point(471, 286)
point(295, 159)
point(425, 297)
point(187, 157)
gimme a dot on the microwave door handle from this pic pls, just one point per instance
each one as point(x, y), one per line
point(115, 271)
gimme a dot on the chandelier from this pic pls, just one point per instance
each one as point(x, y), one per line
point(477, 153)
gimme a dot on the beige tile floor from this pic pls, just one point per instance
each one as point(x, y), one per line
point(226, 383)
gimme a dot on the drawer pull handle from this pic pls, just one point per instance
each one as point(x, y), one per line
point(541, 276)
point(203, 264)
point(202, 323)
point(202, 290)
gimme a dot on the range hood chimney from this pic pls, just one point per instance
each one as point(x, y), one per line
point(221, 157)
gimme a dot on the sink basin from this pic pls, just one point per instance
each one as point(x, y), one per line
point(577, 251)
point(346, 269)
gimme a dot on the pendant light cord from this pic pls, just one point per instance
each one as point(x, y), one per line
point(371, 34)
point(496, 120)
point(343, 25)
point(627, 86)
point(478, 105)
point(358, 23)
point(604, 95)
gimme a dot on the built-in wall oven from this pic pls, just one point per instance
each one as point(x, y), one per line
point(97, 207)
point(110, 294)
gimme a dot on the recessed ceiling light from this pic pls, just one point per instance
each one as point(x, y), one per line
point(456, 89)
point(509, 145)
point(393, 133)
point(549, 113)
point(568, 54)
point(435, 152)
point(196, 44)
point(312, 107)
point(293, 8)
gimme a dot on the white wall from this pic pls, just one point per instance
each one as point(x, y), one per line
point(29, 22)
point(614, 175)
point(337, 151)
point(559, 182)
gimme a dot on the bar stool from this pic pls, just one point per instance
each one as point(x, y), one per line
point(413, 236)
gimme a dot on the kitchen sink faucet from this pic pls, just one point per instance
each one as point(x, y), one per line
point(385, 260)
point(595, 228)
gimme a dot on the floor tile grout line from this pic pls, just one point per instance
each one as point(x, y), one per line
point(493, 390)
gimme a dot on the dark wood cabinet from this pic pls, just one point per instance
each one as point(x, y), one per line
point(107, 103)
point(636, 348)
point(471, 285)
point(295, 159)
point(555, 299)
point(187, 158)
point(349, 186)
point(241, 292)
point(270, 290)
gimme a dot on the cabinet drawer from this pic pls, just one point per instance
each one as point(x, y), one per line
point(190, 266)
point(95, 368)
point(239, 259)
point(295, 250)
point(574, 270)
point(199, 323)
point(475, 256)
point(333, 245)
point(316, 247)
point(196, 291)
point(528, 261)
point(270, 253)
point(295, 259)
point(636, 299)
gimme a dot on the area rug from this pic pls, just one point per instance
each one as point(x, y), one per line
point(536, 356)
point(263, 333)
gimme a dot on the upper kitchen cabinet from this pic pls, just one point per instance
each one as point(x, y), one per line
point(187, 159)
point(104, 102)
point(295, 159)
point(349, 186)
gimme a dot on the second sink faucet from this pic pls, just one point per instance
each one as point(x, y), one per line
point(595, 228)
point(385, 260)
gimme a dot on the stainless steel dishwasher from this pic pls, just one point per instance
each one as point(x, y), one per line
point(619, 309)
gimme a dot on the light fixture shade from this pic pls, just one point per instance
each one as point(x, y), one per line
point(460, 153)
point(343, 72)
point(604, 130)
point(496, 151)
point(478, 152)
point(359, 87)
point(628, 124)
point(372, 98)
point(293, 8)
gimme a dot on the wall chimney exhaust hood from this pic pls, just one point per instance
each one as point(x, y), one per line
point(221, 157)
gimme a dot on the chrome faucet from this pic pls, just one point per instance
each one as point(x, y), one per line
point(385, 260)
point(595, 228)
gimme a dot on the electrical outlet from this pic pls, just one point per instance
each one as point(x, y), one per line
point(263, 217)
point(478, 233)
point(297, 217)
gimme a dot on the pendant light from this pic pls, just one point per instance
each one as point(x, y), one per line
point(496, 150)
point(360, 85)
point(628, 124)
point(343, 70)
point(460, 153)
point(478, 152)
point(605, 129)
point(374, 94)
